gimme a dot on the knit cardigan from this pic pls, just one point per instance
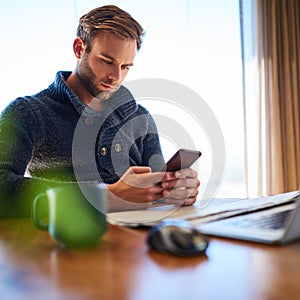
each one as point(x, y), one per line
point(52, 137)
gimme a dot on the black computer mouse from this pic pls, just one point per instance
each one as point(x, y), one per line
point(177, 237)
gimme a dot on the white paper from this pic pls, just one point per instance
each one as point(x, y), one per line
point(214, 209)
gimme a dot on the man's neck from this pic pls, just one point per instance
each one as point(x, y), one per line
point(83, 94)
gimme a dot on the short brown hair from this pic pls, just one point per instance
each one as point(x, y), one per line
point(109, 18)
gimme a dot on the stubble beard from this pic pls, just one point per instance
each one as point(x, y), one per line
point(88, 79)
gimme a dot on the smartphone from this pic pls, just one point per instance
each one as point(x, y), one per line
point(182, 159)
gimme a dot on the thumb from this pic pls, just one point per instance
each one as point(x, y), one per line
point(140, 170)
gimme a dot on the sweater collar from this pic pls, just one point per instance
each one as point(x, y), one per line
point(121, 102)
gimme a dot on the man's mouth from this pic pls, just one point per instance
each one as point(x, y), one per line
point(108, 87)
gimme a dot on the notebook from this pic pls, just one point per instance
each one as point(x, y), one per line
point(276, 225)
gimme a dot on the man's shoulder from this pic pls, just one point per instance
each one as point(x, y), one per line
point(26, 102)
point(26, 106)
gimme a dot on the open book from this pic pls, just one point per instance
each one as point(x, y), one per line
point(200, 212)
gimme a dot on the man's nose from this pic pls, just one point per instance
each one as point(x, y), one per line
point(115, 74)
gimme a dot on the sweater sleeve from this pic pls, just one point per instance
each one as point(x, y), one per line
point(18, 133)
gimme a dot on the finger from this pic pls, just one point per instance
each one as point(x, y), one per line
point(150, 194)
point(180, 193)
point(167, 200)
point(140, 170)
point(189, 201)
point(186, 173)
point(184, 202)
point(159, 177)
point(166, 176)
point(183, 182)
point(141, 177)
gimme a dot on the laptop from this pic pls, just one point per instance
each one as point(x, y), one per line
point(275, 225)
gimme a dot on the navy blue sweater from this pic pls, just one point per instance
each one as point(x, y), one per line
point(52, 137)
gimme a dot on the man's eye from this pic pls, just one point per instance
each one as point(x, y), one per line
point(108, 62)
point(126, 67)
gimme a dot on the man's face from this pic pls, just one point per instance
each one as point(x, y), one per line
point(107, 64)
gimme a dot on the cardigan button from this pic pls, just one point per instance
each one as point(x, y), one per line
point(103, 151)
point(118, 147)
point(88, 121)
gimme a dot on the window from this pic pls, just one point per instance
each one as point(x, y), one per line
point(190, 42)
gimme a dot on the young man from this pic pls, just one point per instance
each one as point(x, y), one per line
point(87, 127)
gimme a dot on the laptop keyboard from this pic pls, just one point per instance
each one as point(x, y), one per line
point(273, 221)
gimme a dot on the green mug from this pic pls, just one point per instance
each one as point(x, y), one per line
point(74, 215)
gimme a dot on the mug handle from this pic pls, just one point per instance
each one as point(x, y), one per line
point(40, 211)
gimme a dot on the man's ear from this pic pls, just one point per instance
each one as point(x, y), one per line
point(78, 47)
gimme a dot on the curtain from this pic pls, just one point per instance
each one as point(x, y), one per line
point(270, 46)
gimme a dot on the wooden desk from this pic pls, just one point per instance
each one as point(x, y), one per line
point(33, 266)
